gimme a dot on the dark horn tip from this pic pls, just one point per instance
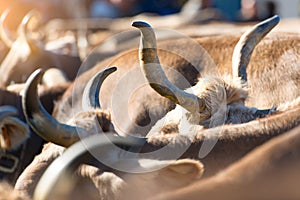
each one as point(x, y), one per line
point(111, 69)
point(140, 24)
point(35, 76)
point(275, 19)
point(37, 73)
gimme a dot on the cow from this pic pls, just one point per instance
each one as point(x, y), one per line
point(66, 135)
point(178, 173)
point(233, 141)
point(146, 108)
point(26, 54)
point(268, 172)
point(257, 131)
point(241, 137)
point(214, 100)
point(91, 120)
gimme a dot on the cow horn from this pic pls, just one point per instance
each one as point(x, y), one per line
point(90, 98)
point(245, 46)
point(41, 121)
point(3, 33)
point(25, 21)
point(77, 154)
point(155, 75)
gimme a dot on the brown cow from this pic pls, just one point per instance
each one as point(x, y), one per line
point(91, 120)
point(214, 100)
point(234, 141)
point(143, 110)
point(270, 171)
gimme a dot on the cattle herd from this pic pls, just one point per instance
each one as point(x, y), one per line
point(212, 116)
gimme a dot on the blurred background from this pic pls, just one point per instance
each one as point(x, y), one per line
point(84, 24)
point(225, 10)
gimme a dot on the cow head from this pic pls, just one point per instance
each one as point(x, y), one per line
point(91, 119)
point(214, 99)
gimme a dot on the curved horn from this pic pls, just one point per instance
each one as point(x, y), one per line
point(3, 33)
point(41, 121)
point(81, 152)
point(6, 111)
point(245, 46)
point(155, 75)
point(90, 98)
point(23, 29)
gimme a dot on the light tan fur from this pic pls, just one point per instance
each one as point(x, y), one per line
point(222, 95)
point(161, 176)
point(92, 122)
point(228, 143)
point(140, 108)
point(7, 193)
point(270, 171)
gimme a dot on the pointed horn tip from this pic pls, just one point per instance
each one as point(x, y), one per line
point(32, 13)
point(140, 24)
point(108, 71)
point(111, 69)
point(37, 74)
point(272, 20)
point(276, 18)
point(28, 17)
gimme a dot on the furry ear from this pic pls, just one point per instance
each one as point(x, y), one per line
point(13, 132)
point(172, 175)
point(181, 172)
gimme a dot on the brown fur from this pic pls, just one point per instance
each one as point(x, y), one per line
point(7, 192)
point(270, 171)
point(224, 99)
point(161, 175)
point(218, 92)
point(27, 181)
point(233, 141)
point(88, 119)
point(146, 107)
point(92, 122)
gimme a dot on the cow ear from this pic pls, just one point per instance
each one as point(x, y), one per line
point(185, 170)
point(173, 174)
point(13, 133)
